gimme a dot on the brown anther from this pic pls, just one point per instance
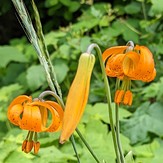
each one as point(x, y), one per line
point(127, 100)
point(29, 146)
point(24, 145)
point(119, 96)
point(36, 147)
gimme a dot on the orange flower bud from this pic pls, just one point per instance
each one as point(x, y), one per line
point(77, 96)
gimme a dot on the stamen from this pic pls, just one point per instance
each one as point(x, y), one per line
point(127, 100)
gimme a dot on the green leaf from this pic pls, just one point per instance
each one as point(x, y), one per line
point(50, 3)
point(158, 156)
point(8, 54)
point(100, 112)
point(146, 150)
point(35, 77)
point(17, 157)
point(129, 157)
point(13, 71)
point(52, 154)
point(9, 91)
point(157, 6)
point(85, 42)
point(147, 119)
point(133, 8)
point(74, 6)
point(61, 69)
point(64, 51)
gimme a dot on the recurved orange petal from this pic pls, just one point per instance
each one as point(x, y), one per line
point(20, 100)
point(130, 62)
point(145, 67)
point(113, 51)
point(56, 119)
point(31, 119)
point(115, 66)
point(14, 113)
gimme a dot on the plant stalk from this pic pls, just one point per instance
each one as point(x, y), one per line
point(108, 95)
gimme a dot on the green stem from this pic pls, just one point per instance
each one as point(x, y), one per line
point(108, 95)
point(87, 145)
point(74, 147)
point(144, 10)
point(59, 100)
point(118, 133)
point(117, 124)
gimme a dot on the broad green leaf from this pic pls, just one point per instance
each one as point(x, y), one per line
point(158, 156)
point(85, 42)
point(52, 154)
point(133, 8)
point(64, 51)
point(147, 119)
point(50, 3)
point(61, 69)
point(74, 6)
point(10, 91)
point(13, 71)
point(146, 150)
point(157, 6)
point(6, 148)
point(100, 112)
point(9, 54)
point(66, 3)
point(16, 156)
point(100, 141)
point(35, 77)
point(129, 157)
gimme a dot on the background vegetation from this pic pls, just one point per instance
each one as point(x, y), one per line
point(69, 27)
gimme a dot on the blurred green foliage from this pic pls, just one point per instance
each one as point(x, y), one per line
point(70, 26)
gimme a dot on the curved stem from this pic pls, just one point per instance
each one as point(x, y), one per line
point(108, 95)
point(46, 93)
point(87, 145)
point(74, 147)
point(60, 101)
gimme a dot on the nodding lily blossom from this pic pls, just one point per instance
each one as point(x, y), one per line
point(129, 63)
point(32, 115)
point(77, 96)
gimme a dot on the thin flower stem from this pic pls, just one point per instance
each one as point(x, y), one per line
point(74, 147)
point(87, 145)
point(108, 95)
point(118, 133)
point(144, 10)
point(117, 124)
point(59, 100)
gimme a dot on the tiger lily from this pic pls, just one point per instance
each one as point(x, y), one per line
point(129, 63)
point(32, 115)
point(77, 96)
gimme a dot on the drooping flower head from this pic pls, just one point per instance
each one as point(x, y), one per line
point(33, 116)
point(77, 96)
point(129, 63)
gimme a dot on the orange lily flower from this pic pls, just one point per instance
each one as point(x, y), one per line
point(129, 63)
point(77, 96)
point(33, 115)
